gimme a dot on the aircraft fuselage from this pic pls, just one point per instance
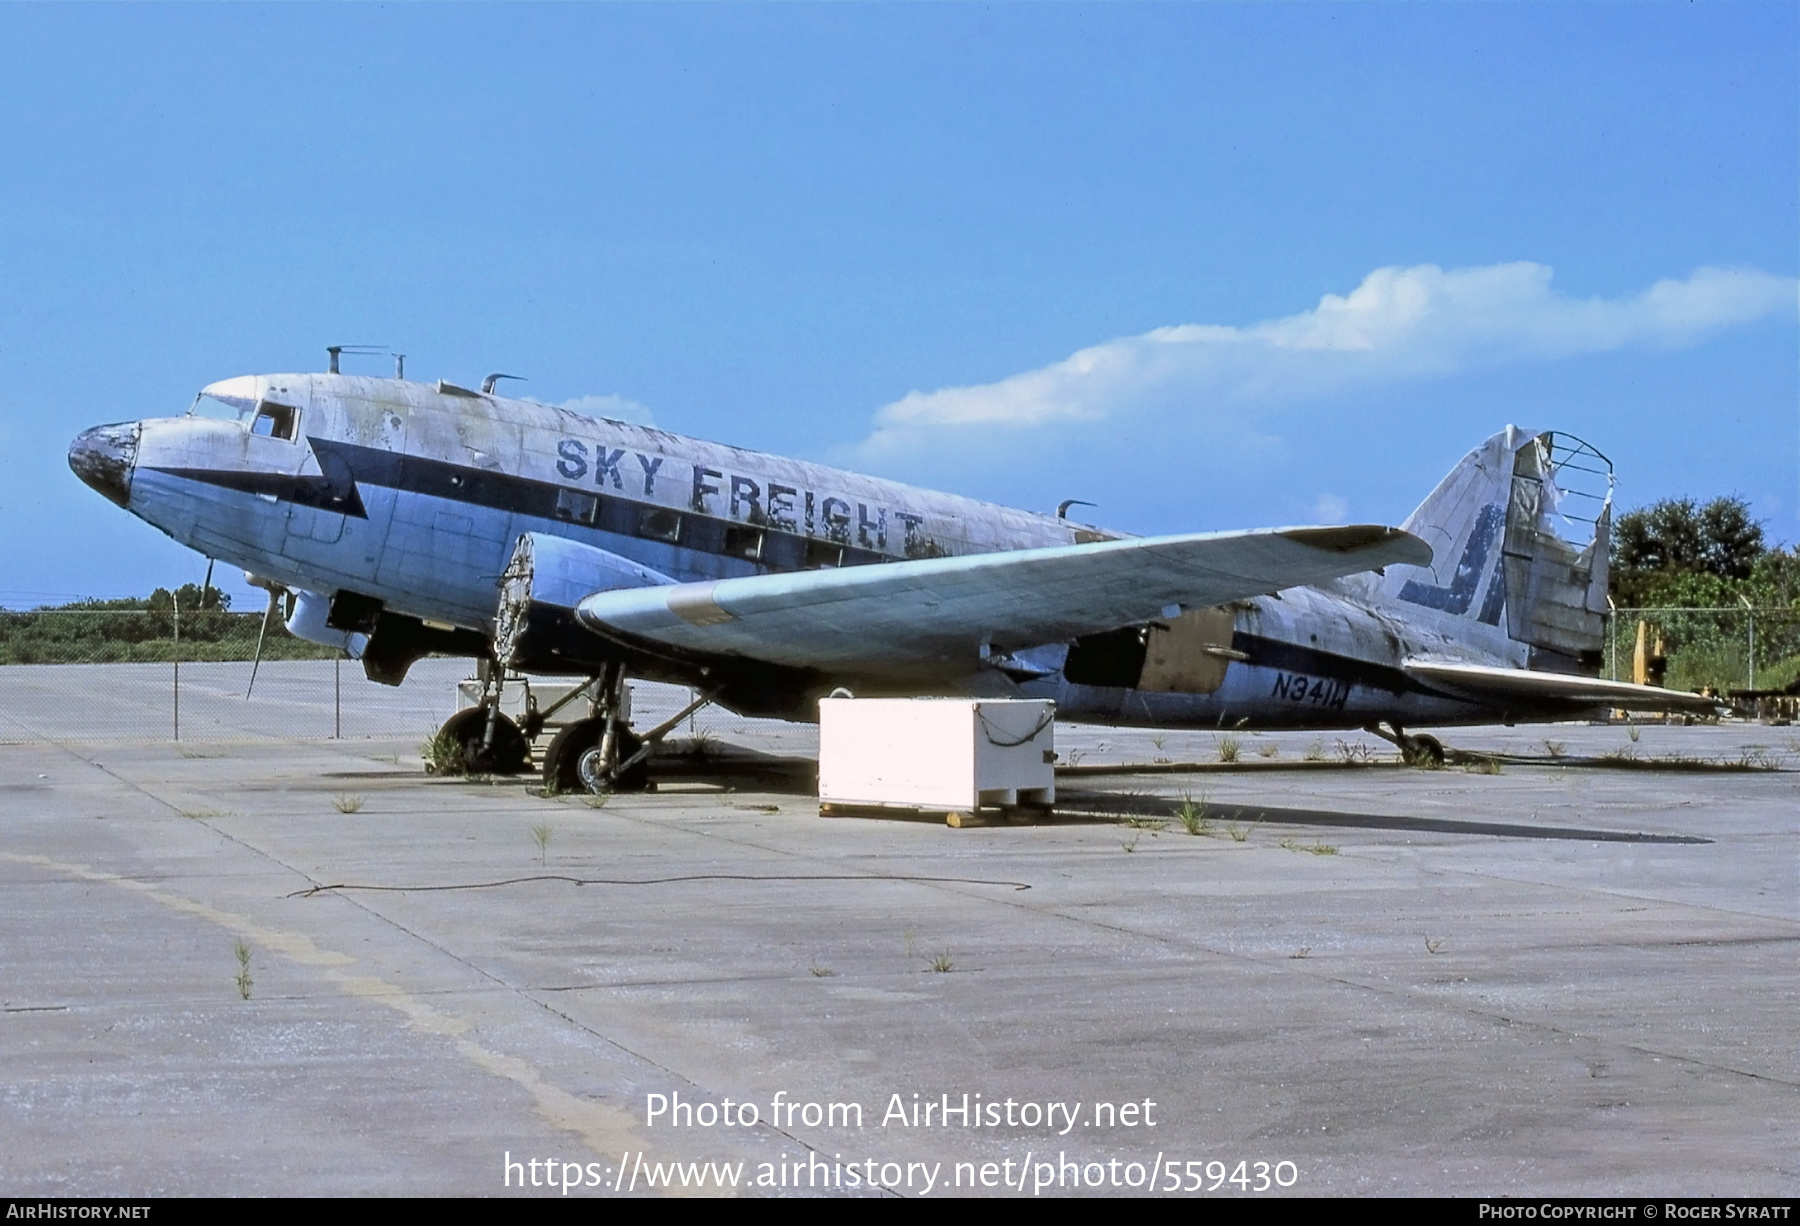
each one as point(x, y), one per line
point(409, 498)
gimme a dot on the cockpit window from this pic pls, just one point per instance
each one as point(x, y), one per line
point(273, 420)
point(211, 406)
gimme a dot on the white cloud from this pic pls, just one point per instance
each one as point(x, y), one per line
point(1399, 324)
point(618, 408)
point(1330, 509)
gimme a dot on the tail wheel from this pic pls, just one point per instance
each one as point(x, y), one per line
point(563, 761)
point(1422, 751)
point(507, 753)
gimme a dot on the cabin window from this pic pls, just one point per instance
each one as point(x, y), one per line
point(221, 410)
point(744, 543)
point(822, 554)
point(660, 524)
point(577, 507)
point(273, 421)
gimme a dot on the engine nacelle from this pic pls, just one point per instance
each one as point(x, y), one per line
point(308, 621)
point(535, 628)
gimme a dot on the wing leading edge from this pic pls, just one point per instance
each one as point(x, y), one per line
point(943, 613)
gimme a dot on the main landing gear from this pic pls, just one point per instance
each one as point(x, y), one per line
point(480, 740)
point(597, 754)
point(601, 753)
point(485, 742)
point(590, 754)
point(1417, 750)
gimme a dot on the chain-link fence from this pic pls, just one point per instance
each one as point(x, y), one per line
point(62, 683)
point(107, 673)
point(1725, 648)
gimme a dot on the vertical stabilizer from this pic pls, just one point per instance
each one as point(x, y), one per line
point(1463, 521)
point(1520, 531)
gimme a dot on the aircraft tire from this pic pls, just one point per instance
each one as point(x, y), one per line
point(509, 754)
point(1423, 751)
point(562, 761)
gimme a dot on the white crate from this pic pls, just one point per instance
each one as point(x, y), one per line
point(954, 754)
point(520, 694)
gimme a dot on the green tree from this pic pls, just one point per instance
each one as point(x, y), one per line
point(1660, 549)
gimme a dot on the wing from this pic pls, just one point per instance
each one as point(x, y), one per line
point(1526, 689)
point(940, 614)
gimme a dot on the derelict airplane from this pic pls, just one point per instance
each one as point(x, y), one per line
point(407, 518)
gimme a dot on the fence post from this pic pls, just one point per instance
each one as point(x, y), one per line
point(1751, 610)
point(337, 698)
point(175, 602)
point(1612, 640)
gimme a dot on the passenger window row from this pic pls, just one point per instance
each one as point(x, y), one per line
point(773, 548)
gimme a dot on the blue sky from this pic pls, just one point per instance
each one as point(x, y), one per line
point(1209, 266)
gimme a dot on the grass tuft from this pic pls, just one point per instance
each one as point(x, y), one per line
point(347, 804)
point(1192, 815)
point(1229, 748)
point(540, 834)
point(243, 980)
point(941, 962)
point(442, 755)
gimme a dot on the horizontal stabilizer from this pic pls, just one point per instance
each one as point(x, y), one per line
point(1499, 686)
point(944, 613)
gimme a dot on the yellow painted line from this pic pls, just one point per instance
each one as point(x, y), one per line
point(609, 1132)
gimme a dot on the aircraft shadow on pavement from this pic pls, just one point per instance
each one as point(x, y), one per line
point(1164, 807)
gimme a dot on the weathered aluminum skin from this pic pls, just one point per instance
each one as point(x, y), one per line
point(417, 496)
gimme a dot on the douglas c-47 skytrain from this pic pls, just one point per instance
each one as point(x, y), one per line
point(406, 518)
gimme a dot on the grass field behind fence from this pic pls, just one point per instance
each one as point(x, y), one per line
point(138, 636)
point(1711, 647)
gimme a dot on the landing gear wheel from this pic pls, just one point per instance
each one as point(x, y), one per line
point(572, 763)
point(508, 753)
point(1422, 750)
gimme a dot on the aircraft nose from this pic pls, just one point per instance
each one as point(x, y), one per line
point(103, 457)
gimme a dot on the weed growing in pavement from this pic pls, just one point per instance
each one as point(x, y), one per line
point(442, 755)
point(1192, 815)
point(242, 951)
